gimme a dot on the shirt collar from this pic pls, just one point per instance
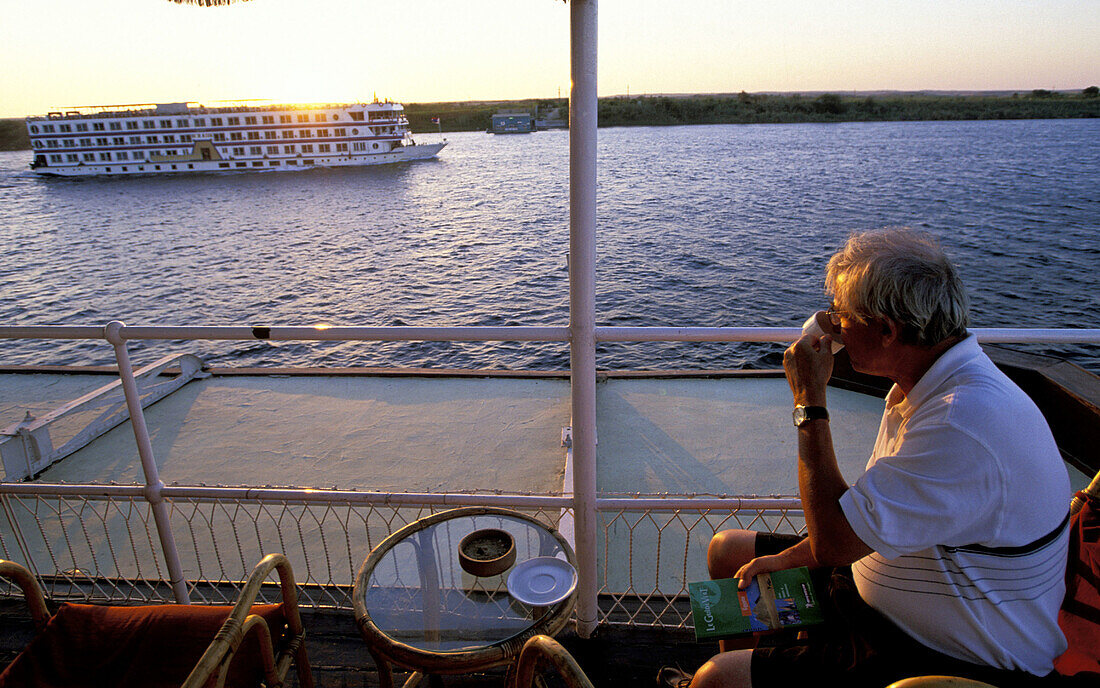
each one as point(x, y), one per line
point(944, 367)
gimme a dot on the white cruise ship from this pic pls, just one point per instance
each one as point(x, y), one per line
point(189, 137)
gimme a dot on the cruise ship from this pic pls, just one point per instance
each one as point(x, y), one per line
point(248, 136)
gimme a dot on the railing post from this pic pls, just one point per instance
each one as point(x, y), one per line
point(153, 484)
point(582, 301)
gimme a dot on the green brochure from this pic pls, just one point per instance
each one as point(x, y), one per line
point(773, 601)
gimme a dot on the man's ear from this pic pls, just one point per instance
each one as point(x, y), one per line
point(891, 332)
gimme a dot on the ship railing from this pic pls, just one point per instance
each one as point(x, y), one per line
point(153, 542)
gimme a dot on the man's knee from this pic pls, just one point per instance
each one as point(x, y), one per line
point(729, 550)
point(727, 670)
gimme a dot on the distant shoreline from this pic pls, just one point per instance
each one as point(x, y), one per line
point(743, 108)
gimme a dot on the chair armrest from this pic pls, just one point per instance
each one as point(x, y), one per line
point(544, 649)
point(32, 593)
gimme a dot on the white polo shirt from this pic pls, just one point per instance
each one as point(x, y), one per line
point(964, 503)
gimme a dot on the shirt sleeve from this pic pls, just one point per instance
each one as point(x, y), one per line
point(936, 490)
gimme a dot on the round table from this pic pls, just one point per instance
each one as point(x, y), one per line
point(416, 607)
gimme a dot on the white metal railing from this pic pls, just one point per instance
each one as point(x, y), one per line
point(56, 528)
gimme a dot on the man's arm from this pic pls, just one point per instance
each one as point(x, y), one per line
point(809, 364)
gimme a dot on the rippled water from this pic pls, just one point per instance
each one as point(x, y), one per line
point(705, 225)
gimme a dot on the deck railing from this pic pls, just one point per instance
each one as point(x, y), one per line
point(155, 542)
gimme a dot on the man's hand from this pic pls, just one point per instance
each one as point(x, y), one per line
point(809, 365)
point(765, 564)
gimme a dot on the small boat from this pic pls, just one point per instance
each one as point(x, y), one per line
point(248, 136)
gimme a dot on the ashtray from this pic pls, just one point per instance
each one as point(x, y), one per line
point(542, 581)
point(486, 552)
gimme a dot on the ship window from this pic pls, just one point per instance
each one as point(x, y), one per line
point(97, 126)
point(324, 148)
point(173, 167)
point(336, 116)
point(238, 151)
point(307, 148)
point(166, 124)
point(105, 156)
point(131, 125)
point(141, 168)
point(250, 120)
point(64, 127)
point(255, 150)
point(216, 121)
point(374, 146)
point(124, 168)
point(157, 167)
point(71, 157)
point(307, 162)
point(108, 169)
point(303, 118)
point(268, 119)
point(135, 139)
point(34, 129)
point(139, 155)
point(360, 146)
point(85, 142)
point(270, 135)
point(148, 124)
point(51, 144)
point(190, 166)
point(55, 158)
point(181, 123)
point(69, 143)
point(305, 134)
point(258, 163)
point(356, 116)
point(200, 122)
point(273, 163)
point(288, 134)
point(320, 117)
point(185, 138)
point(284, 119)
point(82, 127)
point(235, 136)
point(253, 135)
point(341, 132)
point(116, 126)
point(288, 150)
point(169, 138)
point(241, 164)
point(101, 141)
point(223, 164)
point(118, 141)
point(90, 157)
point(233, 120)
point(122, 155)
point(37, 144)
point(323, 133)
point(342, 147)
point(273, 150)
point(219, 137)
point(151, 139)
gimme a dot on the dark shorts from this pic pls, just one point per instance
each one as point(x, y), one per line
point(856, 646)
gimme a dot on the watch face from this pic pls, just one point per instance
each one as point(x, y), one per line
point(799, 415)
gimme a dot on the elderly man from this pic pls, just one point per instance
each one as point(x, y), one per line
point(947, 555)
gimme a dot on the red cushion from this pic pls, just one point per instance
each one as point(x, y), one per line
point(120, 647)
point(1080, 613)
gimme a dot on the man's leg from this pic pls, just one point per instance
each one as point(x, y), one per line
point(727, 670)
point(729, 550)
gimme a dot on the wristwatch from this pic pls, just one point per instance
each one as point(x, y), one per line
point(804, 414)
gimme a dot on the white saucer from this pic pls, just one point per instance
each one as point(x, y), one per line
point(542, 581)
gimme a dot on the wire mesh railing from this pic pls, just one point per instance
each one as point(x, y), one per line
point(91, 543)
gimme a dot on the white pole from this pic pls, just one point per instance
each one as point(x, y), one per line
point(582, 300)
point(153, 484)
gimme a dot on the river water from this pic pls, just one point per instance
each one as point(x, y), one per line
point(718, 225)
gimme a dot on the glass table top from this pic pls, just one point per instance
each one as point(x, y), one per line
point(419, 594)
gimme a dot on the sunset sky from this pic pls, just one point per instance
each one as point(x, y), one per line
point(58, 53)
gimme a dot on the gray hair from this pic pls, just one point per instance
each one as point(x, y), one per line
point(902, 275)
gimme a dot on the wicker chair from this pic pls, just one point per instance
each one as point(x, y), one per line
point(542, 650)
point(195, 646)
